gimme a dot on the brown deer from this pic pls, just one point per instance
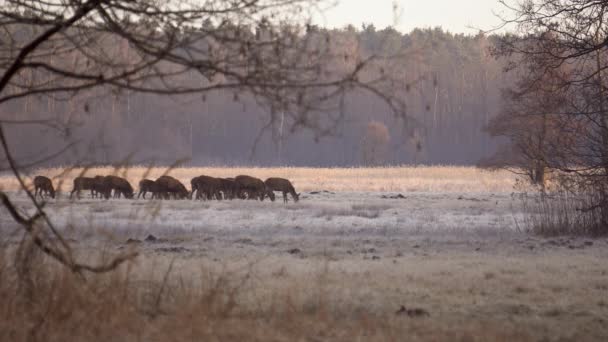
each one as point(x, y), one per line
point(82, 183)
point(43, 184)
point(167, 186)
point(283, 185)
point(253, 187)
point(228, 187)
point(97, 189)
point(206, 186)
point(119, 185)
point(147, 185)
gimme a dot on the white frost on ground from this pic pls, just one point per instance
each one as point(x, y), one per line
point(340, 221)
point(460, 255)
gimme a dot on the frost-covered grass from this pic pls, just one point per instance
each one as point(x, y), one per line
point(344, 215)
point(398, 179)
point(338, 265)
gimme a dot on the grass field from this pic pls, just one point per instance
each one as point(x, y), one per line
point(452, 250)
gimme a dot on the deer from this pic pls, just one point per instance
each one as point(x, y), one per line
point(167, 186)
point(119, 185)
point(207, 186)
point(43, 184)
point(228, 187)
point(82, 183)
point(147, 185)
point(97, 189)
point(253, 187)
point(283, 185)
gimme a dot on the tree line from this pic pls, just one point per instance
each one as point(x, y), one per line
point(450, 86)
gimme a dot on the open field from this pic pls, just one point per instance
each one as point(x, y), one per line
point(338, 265)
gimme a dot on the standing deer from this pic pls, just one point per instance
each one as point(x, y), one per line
point(283, 185)
point(206, 187)
point(82, 183)
point(43, 184)
point(228, 187)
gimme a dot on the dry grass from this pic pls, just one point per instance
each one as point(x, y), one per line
point(162, 299)
point(397, 179)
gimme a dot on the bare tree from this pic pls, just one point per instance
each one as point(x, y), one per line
point(265, 49)
point(572, 36)
point(532, 119)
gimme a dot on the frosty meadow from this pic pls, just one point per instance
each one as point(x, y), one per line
point(369, 254)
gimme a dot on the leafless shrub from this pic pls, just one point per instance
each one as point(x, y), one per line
point(562, 213)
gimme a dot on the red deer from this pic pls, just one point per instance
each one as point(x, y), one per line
point(283, 185)
point(253, 187)
point(168, 185)
point(119, 185)
point(82, 183)
point(145, 186)
point(228, 187)
point(43, 184)
point(207, 186)
point(97, 189)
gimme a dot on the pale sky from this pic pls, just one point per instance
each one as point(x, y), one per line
point(454, 15)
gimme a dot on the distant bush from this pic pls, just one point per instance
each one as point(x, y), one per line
point(374, 146)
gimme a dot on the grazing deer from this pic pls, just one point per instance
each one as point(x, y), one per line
point(147, 185)
point(253, 187)
point(43, 184)
point(119, 185)
point(167, 186)
point(283, 185)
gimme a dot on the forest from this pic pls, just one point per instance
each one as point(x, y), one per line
point(453, 90)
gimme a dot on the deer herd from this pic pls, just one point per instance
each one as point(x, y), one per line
point(167, 187)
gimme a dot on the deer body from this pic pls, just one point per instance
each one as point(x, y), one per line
point(283, 185)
